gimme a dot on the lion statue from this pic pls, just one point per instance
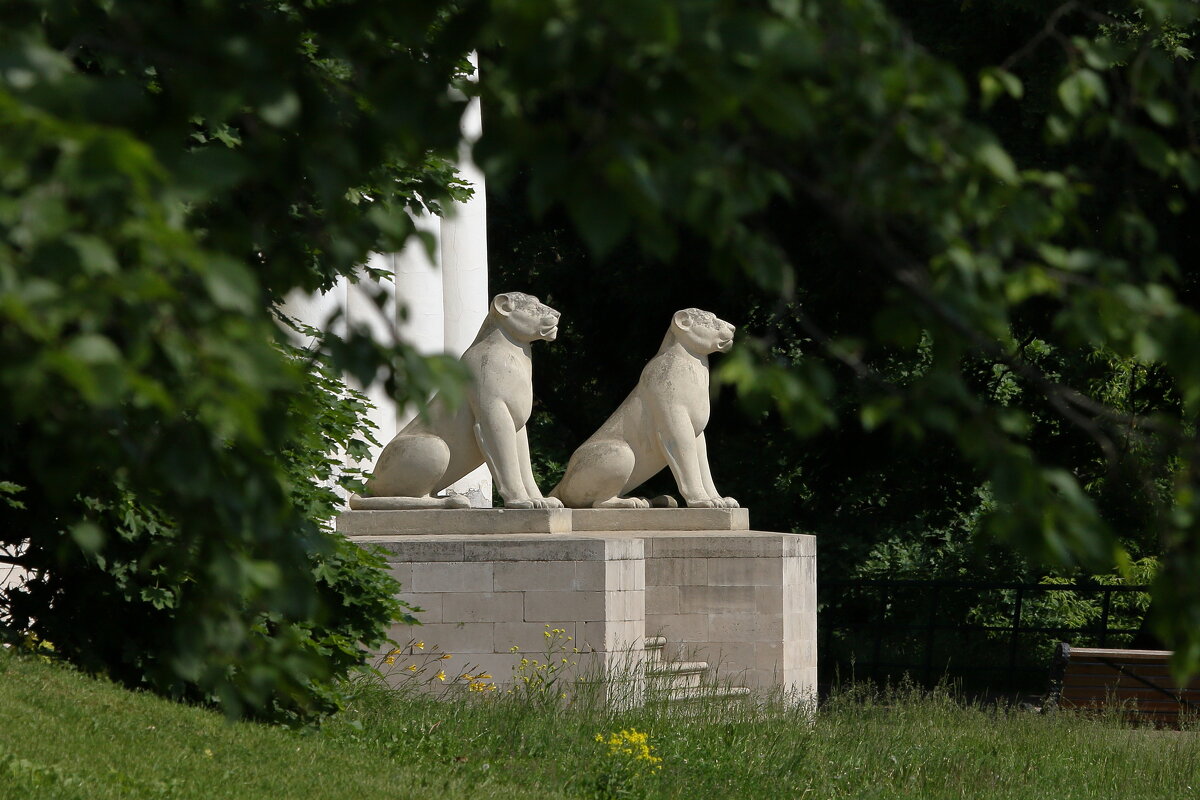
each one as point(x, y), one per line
point(436, 450)
point(660, 424)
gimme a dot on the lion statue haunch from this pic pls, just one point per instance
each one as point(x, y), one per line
point(660, 424)
point(432, 453)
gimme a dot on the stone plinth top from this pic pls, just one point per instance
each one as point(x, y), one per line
point(660, 519)
point(454, 521)
point(471, 521)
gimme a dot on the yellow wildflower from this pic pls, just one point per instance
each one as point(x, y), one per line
point(441, 676)
point(631, 744)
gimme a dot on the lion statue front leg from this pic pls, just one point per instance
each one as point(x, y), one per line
point(687, 458)
point(506, 452)
point(532, 493)
point(706, 476)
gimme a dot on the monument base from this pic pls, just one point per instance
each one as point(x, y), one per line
point(742, 600)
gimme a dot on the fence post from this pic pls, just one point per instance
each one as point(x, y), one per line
point(1016, 627)
point(1104, 616)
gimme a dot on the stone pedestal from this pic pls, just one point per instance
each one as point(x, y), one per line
point(489, 580)
point(744, 601)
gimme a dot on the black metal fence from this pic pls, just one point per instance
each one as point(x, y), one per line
point(996, 636)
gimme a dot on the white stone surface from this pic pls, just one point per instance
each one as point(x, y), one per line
point(451, 576)
point(454, 522)
point(418, 280)
point(480, 603)
point(660, 424)
point(744, 601)
point(435, 450)
point(660, 519)
point(398, 522)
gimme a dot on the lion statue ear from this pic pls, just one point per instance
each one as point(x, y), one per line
point(503, 304)
point(682, 320)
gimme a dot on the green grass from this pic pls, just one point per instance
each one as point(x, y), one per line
point(63, 735)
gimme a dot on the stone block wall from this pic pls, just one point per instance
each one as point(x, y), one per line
point(479, 597)
point(744, 601)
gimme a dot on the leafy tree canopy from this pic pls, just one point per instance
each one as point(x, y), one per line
point(168, 169)
point(1005, 237)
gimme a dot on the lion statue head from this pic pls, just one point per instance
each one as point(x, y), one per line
point(701, 332)
point(524, 317)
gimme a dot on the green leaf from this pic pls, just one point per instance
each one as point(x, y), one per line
point(997, 161)
point(93, 348)
point(1161, 111)
point(1189, 170)
point(1080, 89)
point(230, 285)
point(95, 256)
point(994, 81)
point(7, 490)
point(88, 536)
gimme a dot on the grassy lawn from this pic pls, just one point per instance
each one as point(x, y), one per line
point(63, 735)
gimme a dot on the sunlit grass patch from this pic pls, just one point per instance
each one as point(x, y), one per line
point(63, 735)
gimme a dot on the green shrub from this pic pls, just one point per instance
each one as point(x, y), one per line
point(136, 607)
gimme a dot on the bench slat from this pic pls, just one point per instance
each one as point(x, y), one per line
point(1086, 653)
point(1160, 670)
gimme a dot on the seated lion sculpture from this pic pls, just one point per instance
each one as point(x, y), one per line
point(660, 424)
point(435, 451)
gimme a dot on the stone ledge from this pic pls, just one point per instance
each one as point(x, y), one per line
point(454, 521)
point(491, 521)
point(660, 519)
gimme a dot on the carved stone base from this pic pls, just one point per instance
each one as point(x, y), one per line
point(485, 521)
point(454, 521)
point(660, 519)
point(743, 600)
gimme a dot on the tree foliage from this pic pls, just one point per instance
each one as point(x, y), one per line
point(994, 216)
point(967, 230)
point(168, 171)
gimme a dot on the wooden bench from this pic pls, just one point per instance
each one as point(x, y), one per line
point(1138, 681)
